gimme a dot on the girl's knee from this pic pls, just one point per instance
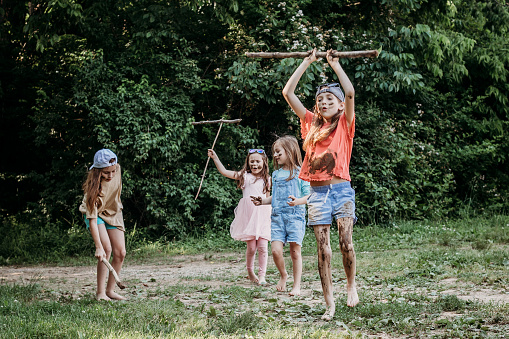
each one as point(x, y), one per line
point(295, 255)
point(108, 251)
point(325, 253)
point(251, 251)
point(346, 246)
point(277, 252)
point(119, 254)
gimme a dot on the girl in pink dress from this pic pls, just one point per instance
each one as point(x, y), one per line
point(251, 223)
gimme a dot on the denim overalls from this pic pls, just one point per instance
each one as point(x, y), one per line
point(288, 223)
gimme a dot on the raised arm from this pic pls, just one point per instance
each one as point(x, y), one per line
point(347, 87)
point(227, 173)
point(289, 90)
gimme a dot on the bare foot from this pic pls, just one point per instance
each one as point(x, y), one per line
point(252, 276)
point(262, 281)
point(281, 285)
point(329, 313)
point(115, 296)
point(102, 296)
point(353, 298)
point(295, 291)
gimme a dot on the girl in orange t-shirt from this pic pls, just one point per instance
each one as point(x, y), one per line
point(328, 138)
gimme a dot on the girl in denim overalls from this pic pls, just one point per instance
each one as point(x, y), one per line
point(288, 219)
point(328, 134)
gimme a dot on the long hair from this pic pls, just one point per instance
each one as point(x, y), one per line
point(264, 174)
point(315, 134)
point(291, 146)
point(92, 187)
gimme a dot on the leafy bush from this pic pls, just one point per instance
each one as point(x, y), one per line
point(432, 109)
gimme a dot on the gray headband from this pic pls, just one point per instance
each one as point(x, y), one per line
point(331, 88)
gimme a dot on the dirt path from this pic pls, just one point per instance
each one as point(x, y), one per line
point(210, 273)
point(213, 271)
point(199, 270)
point(217, 271)
point(78, 281)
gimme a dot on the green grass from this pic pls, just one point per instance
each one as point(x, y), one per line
point(400, 270)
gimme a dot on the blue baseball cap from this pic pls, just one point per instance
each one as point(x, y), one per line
point(331, 88)
point(102, 159)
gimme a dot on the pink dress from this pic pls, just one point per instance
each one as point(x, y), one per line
point(251, 222)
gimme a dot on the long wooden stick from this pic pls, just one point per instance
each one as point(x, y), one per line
point(216, 122)
point(284, 55)
point(208, 159)
point(115, 275)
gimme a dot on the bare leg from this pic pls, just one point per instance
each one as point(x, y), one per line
point(250, 256)
point(263, 247)
point(322, 234)
point(277, 255)
point(295, 252)
point(117, 240)
point(345, 228)
point(102, 271)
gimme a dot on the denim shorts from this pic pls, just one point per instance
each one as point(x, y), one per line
point(99, 221)
point(331, 201)
point(288, 225)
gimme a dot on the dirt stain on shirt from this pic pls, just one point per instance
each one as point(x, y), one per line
point(324, 163)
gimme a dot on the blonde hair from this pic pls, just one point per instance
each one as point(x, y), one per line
point(264, 174)
point(291, 146)
point(316, 134)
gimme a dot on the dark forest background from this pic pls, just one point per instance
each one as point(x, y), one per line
point(432, 110)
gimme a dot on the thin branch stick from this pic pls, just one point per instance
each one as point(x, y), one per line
point(208, 159)
point(115, 275)
point(216, 122)
point(284, 55)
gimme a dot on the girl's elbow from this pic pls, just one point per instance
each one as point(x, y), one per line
point(285, 92)
point(350, 94)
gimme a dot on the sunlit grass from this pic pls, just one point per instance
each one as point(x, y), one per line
point(400, 272)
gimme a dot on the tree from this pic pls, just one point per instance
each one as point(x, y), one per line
point(431, 109)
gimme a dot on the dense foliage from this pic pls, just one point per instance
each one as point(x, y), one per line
point(432, 110)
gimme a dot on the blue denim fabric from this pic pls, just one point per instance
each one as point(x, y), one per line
point(288, 223)
point(331, 201)
point(282, 189)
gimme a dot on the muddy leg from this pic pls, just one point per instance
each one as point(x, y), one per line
point(345, 228)
point(322, 234)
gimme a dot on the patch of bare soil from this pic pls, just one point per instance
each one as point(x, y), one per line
point(473, 293)
point(208, 273)
point(198, 270)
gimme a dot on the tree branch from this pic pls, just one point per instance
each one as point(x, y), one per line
point(216, 122)
point(283, 55)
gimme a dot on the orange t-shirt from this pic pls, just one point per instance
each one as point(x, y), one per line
point(330, 157)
